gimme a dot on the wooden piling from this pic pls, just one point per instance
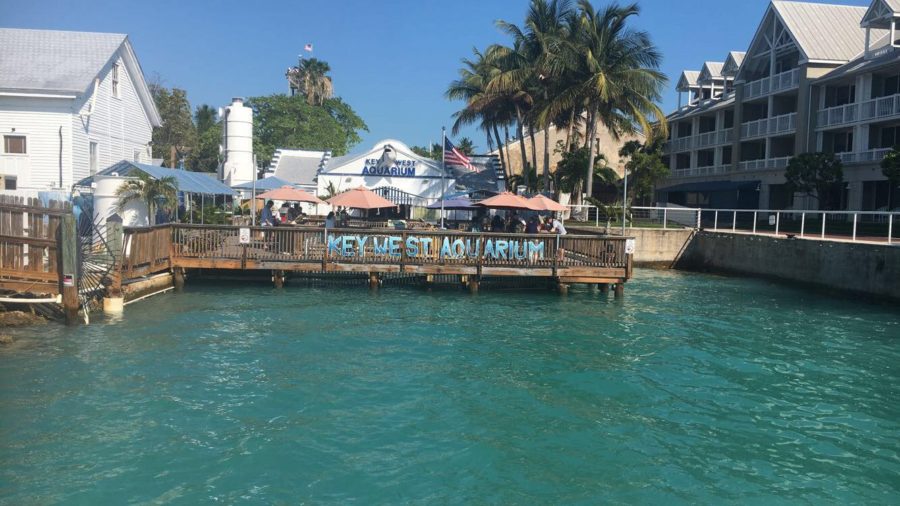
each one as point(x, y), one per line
point(68, 247)
point(562, 288)
point(114, 301)
point(373, 280)
point(278, 278)
point(473, 286)
point(604, 288)
point(178, 279)
point(620, 290)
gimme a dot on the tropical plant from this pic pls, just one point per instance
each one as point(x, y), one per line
point(177, 136)
point(644, 167)
point(815, 174)
point(569, 173)
point(155, 193)
point(890, 166)
point(310, 79)
point(466, 146)
point(330, 191)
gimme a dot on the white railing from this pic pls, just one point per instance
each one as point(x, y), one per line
point(857, 226)
point(769, 126)
point(872, 155)
point(704, 140)
point(682, 144)
point(764, 163)
point(880, 108)
point(702, 171)
point(838, 115)
point(772, 84)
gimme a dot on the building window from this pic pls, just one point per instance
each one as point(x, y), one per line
point(15, 144)
point(93, 157)
point(115, 81)
point(137, 155)
point(9, 182)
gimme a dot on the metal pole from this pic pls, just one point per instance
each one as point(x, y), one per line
point(253, 199)
point(777, 221)
point(890, 227)
point(665, 216)
point(823, 223)
point(854, 226)
point(443, 170)
point(754, 221)
point(802, 223)
point(716, 221)
point(202, 209)
point(733, 221)
point(624, 200)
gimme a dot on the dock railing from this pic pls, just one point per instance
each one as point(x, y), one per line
point(855, 226)
point(356, 250)
point(29, 244)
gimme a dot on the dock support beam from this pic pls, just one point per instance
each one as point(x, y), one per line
point(68, 237)
point(620, 290)
point(178, 279)
point(374, 281)
point(604, 288)
point(562, 288)
point(473, 286)
point(114, 302)
point(278, 279)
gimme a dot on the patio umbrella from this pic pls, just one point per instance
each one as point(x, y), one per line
point(455, 204)
point(507, 200)
point(543, 203)
point(290, 194)
point(360, 198)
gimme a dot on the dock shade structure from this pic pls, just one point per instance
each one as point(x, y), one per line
point(455, 204)
point(507, 200)
point(544, 203)
point(209, 189)
point(360, 198)
point(265, 184)
point(290, 194)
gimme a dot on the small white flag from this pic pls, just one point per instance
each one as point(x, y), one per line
point(308, 48)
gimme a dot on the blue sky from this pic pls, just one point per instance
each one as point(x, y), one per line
point(390, 59)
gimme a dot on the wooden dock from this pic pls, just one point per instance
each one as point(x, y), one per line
point(564, 259)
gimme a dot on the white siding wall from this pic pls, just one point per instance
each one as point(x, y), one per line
point(39, 119)
point(119, 126)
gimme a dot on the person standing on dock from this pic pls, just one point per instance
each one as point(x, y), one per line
point(267, 219)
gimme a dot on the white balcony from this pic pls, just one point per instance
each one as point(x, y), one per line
point(772, 84)
point(704, 140)
point(837, 116)
point(871, 155)
point(880, 108)
point(764, 164)
point(703, 171)
point(785, 123)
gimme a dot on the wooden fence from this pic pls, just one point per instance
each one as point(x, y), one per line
point(146, 251)
point(29, 252)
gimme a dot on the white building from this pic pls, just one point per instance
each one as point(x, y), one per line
point(71, 104)
point(405, 177)
point(299, 166)
point(815, 78)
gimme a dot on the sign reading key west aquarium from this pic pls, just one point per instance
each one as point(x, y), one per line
point(360, 246)
point(401, 168)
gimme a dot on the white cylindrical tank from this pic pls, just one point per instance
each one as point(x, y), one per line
point(238, 144)
point(106, 204)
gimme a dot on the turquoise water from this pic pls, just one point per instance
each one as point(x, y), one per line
point(692, 389)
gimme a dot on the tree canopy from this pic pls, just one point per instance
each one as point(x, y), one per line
point(815, 174)
point(282, 121)
point(177, 130)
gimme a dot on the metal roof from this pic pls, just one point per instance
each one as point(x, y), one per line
point(298, 169)
point(824, 32)
point(188, 182)
point(688, 79)
point(733, 63)
point(269, 183)
point(861, 65)
point(54, 61)
point(708, 106)
point(711, 70)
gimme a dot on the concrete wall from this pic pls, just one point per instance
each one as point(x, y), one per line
point(863, 268)
point(654, 247)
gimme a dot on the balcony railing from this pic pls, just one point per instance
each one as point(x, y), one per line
point(872, 155)
point(838, 115)
point(880, 108)
point(772, 84)
point(702, 171)
point(764, 163)
point(769, 126)
point(704, 140)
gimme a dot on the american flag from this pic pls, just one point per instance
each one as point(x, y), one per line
point(453, 156)
point(308, 48)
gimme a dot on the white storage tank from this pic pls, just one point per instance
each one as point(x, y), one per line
point(237, 144)
point(106, 204)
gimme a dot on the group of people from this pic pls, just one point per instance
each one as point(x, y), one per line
point(517, 224)
point(337, 220)
point(269, 217)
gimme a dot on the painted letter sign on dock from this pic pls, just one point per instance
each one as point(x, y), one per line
point(244, 236)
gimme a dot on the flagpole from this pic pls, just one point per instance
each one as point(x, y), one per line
point(443, 170)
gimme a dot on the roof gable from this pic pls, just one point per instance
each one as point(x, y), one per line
point(733, 63)
point(401, 150)
point(880, 13)
point(711, 70)
point(824, 32)
point(688, 80)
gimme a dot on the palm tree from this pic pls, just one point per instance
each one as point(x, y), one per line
point(153, 192)
point(466, 146)
point(615, 75)
point(205, 117)
point(310, 78)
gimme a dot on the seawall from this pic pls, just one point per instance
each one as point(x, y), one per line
point(869, 269)
point(654, 247)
